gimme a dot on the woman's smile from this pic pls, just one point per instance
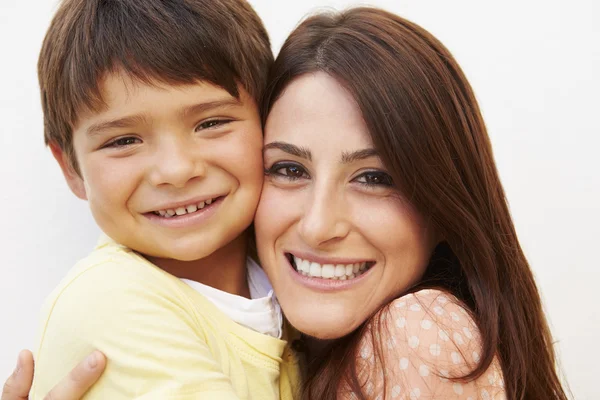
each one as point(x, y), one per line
point(328, 268)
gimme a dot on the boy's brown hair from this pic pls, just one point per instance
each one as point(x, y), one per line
point(170, 41)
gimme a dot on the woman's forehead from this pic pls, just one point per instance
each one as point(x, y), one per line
point(316, 108)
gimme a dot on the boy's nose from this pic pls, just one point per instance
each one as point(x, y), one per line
point(175, 164)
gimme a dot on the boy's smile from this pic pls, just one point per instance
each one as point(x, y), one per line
point(186, 213)
point(173, 172)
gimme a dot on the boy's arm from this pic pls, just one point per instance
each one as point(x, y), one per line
point(142, 325)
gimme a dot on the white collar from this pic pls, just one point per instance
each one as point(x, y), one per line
point(260, 313)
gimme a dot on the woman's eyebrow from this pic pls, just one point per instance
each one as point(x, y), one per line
point(350, 157)
point(289, 148)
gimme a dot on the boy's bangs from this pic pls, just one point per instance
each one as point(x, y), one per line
point(154, 47)
point(173, 42)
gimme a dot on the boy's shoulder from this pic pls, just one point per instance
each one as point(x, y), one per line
point(112, 274)
point(150, 328)
point(111, 261)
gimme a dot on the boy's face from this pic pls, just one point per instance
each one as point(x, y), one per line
point(155, 150)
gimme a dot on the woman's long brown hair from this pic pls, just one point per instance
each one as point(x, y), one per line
point(426, 124)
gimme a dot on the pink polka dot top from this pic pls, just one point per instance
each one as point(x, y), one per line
point(428, 337)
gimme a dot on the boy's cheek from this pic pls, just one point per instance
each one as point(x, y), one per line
point(242, 155)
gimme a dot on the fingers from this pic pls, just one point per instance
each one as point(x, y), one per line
point(18, 384)
point(79, 380)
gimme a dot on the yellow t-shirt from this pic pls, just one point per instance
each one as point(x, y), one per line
point(163, 339)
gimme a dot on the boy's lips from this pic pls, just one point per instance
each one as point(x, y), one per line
point(184, 217)
point(199, 202)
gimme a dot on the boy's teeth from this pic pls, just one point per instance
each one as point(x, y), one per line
point(192, 208)
point(329, 271)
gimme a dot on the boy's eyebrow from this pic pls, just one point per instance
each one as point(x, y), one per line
point(125, 122)
point(350, 157)
point(133, 120)
point(289, 148)
point(210, 105)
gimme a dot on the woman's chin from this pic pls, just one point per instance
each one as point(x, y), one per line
point(323, 328)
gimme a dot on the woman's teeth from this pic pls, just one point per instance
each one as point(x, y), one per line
point(329, 271)
point(192, 208)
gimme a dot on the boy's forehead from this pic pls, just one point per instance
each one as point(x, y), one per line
point(121, 87)
point(122, 95)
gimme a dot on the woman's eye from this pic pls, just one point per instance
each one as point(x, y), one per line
point(375, 178)
point(287, 171)
point(213, 123)
point(124, 142)
point(292, 171)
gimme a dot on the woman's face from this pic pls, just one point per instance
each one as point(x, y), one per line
point(334, 237)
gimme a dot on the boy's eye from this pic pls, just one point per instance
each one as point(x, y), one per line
point(375, 178)
point(123, 142)
point(213, 123)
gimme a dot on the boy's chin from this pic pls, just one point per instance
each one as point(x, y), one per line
point(187, 248)
point(181, 256)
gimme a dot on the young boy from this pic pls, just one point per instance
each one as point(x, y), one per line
point(150, 109)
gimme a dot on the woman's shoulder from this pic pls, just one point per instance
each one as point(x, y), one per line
point(430, 298)
point(422, 340)
point(433, 322)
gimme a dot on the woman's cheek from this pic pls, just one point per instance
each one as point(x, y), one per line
point(389, 224)
point(270, 212)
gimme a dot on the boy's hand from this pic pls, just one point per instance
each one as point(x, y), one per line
point(72, 387)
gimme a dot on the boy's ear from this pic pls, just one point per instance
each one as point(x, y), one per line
point(73, 179)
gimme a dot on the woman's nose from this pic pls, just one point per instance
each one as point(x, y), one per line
point(324, 220)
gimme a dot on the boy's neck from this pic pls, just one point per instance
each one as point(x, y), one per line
point(225, 269)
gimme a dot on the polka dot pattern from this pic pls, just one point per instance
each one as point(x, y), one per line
point(456, 358)
point(401, 322)
point(443, 335)
point(415, 394)
point(431, 340)
point(413, 342)
point(457, 387)
point(403, 363)
point(426, 324)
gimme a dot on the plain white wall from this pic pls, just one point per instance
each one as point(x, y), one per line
point(534, 66)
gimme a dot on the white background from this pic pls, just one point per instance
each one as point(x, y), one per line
point(535, 67)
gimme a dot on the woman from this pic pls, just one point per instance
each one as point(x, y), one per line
point(383, 225)
point(398, 165)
